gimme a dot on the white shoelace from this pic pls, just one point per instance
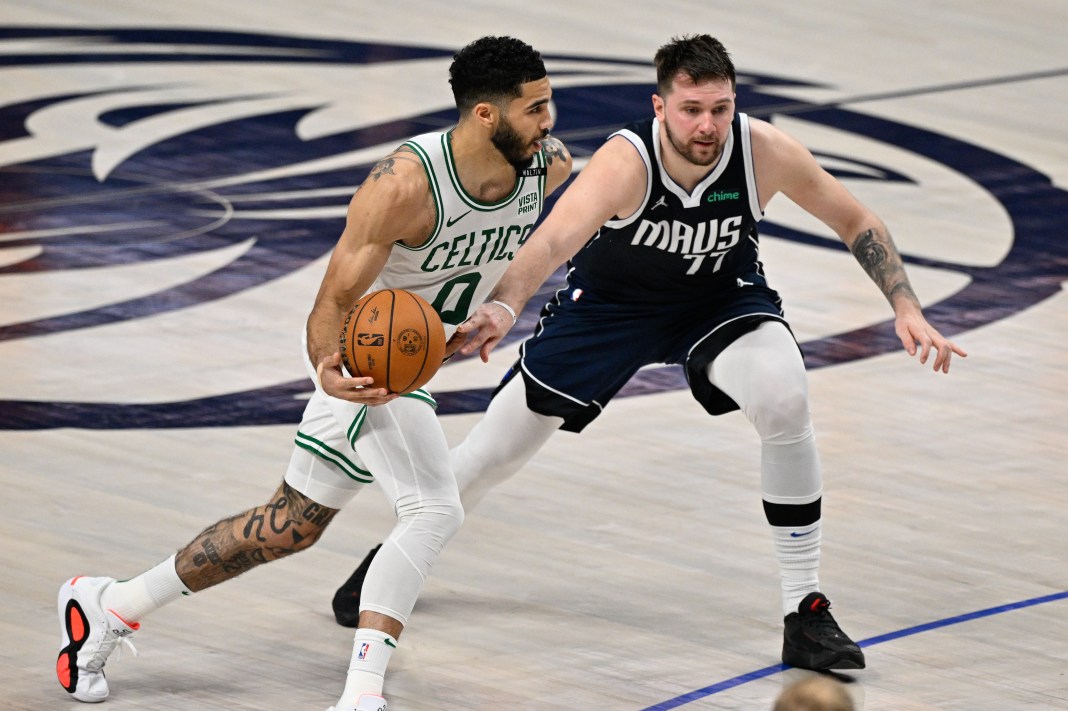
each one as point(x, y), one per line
point(111, 639)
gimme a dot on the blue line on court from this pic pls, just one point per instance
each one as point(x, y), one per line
point(908, 631)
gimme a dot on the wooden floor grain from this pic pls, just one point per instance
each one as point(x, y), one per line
point(629, 568)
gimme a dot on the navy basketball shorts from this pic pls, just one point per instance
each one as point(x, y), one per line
point(586, 348)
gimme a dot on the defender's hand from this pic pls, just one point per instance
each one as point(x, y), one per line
point(456, 340)
point(485, 328)
point(913, 330)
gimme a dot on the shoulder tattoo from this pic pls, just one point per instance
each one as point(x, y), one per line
point(553, 149)
point(386, 165)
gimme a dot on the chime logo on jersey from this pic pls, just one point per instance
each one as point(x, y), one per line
point(135, 174)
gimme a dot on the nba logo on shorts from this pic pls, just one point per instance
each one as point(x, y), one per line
point(364, 649)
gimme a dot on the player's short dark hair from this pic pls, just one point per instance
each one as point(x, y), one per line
point(493, 69)
point(701, 57)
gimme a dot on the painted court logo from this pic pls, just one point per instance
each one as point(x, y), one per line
point(160, 160)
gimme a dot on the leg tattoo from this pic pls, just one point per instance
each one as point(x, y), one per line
point(288, 523)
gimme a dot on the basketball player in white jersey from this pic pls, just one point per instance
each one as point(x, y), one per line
point(661, 232)
point(442, 216)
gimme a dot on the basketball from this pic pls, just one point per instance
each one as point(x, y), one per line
point(395, 337)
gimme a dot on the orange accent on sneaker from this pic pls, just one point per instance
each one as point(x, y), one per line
point(63, 670)
point(132, 625)
point(76, 623)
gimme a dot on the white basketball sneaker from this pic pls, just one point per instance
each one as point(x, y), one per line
point(88, 635)
point(367, 702)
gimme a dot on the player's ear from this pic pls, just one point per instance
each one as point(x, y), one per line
point(486, 113)
point(658, 107)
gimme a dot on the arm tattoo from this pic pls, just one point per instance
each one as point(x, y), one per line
point(880, 259)
point(553, 149)
point(385, 166)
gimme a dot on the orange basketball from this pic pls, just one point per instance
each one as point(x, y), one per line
point(395, 337)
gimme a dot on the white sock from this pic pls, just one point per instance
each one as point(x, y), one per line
point(370, 656)
point(133, 599)
point(763, 372)
point(798, 551)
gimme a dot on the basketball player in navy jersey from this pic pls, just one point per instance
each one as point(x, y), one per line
point(661, 231)
point(442, 216)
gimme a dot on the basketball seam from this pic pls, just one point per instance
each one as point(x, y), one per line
point(426, 330)
point(389, 342)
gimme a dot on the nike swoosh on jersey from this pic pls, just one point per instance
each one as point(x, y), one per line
point(451, 222)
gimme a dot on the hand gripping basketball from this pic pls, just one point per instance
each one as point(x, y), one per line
point(395, 337)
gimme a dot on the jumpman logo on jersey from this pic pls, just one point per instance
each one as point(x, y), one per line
point(662, 202)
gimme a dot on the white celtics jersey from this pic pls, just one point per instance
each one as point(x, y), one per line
point(472, 241)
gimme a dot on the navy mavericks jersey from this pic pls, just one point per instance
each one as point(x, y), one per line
point(678, 246)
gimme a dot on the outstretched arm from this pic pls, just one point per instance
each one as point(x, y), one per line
point(875, 250)
point(784, 165)
point(558, 169)
point(611, 184)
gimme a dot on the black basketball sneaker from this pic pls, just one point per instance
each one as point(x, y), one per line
point(813, 640)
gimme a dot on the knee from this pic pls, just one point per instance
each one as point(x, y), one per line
point(439, 516)
point(448, 516)
point(455, 518)
point(782, 416)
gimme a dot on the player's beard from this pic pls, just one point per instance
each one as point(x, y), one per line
point(690, 154)
point(512, 146)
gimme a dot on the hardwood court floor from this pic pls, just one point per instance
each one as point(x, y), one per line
point(171, 177)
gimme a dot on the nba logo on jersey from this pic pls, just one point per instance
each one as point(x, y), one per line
point(364, 649)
